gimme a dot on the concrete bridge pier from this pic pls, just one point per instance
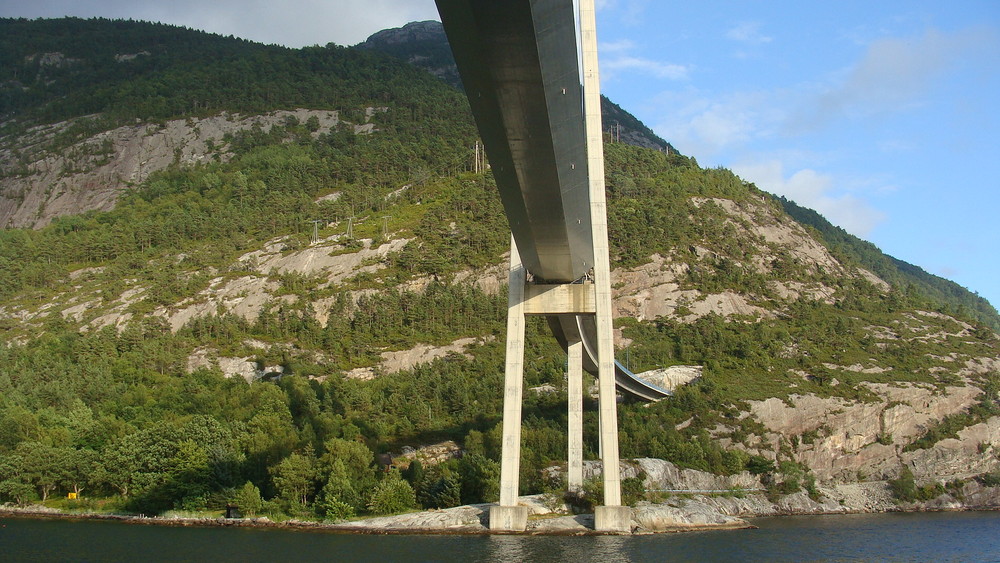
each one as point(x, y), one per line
point(611, 517)
point(508, 516)
point(574, 431)
point(524, 299)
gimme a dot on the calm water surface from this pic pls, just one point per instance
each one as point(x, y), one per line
point(969, 536)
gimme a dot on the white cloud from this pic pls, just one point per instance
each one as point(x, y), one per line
point(720, 125)
point(650, 67)
point(616, 58)
point(890, 77)
point(633, 12)
point(620, 46)
point(814, 190)
point(748, 32)
point(706, 126)
point(894, 75)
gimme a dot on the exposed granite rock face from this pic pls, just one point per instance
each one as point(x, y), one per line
point(90, 174)
point(852, 438)
point(663, 475)
point(411, 32)
point(685, 515)
point(973, 453)
point(672, 377)
point(428, 455)
point(467, 518)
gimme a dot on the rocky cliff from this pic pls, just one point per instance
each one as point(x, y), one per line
point(40, 179)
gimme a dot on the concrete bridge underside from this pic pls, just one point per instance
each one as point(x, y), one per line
point(525, 91)
point(530, 75)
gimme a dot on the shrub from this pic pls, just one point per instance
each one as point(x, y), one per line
point(445, 492)
point(391, 495)
point(333, 508)
point(248, 499)
point(759, 465)
point(904, 487)
point(989, 479)
point(480, 479)
point(633, 490)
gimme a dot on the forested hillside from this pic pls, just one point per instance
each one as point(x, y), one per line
point(255, 324)
point(52, 70)
point(900, 273)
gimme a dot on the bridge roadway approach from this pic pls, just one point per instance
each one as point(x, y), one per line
point(538, 113)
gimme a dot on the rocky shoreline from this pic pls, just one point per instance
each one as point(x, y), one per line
point(679, 513)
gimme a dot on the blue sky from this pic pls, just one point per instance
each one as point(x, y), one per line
point(880, 115)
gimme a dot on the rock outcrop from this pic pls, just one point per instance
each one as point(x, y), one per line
point(40, 182)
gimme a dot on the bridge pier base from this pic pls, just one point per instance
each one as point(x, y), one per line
point(508, 518)
point(613, 519)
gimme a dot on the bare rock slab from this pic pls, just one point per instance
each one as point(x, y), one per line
point(692, 515)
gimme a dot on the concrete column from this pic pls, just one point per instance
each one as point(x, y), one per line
point(508, 516)
point(574, 431)
point(612, 517)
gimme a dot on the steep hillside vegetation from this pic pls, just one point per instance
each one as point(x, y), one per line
point(258, 318)
point(64, 83)
point(897, 272)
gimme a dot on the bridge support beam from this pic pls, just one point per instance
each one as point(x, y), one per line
point(612, 517)
point(525, 299)
point(508, 516)
point(574, 430)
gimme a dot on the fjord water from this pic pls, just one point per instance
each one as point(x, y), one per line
point(968, 536)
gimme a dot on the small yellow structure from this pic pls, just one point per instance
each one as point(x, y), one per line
point(71, 496)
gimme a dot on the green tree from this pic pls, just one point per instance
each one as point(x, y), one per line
point(119, 466)
point(14, 484)
point(17, 491)
point(480, 479)
point(78, 469)
point(295, 477)
point(340, 487)
point(188, 476)
point(337, 499)
point(356, 466)
point(40, 466)
point(248, 499)
point(414, 473)
point(391, 495)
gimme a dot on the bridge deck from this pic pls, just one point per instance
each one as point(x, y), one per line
point(520, 67)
